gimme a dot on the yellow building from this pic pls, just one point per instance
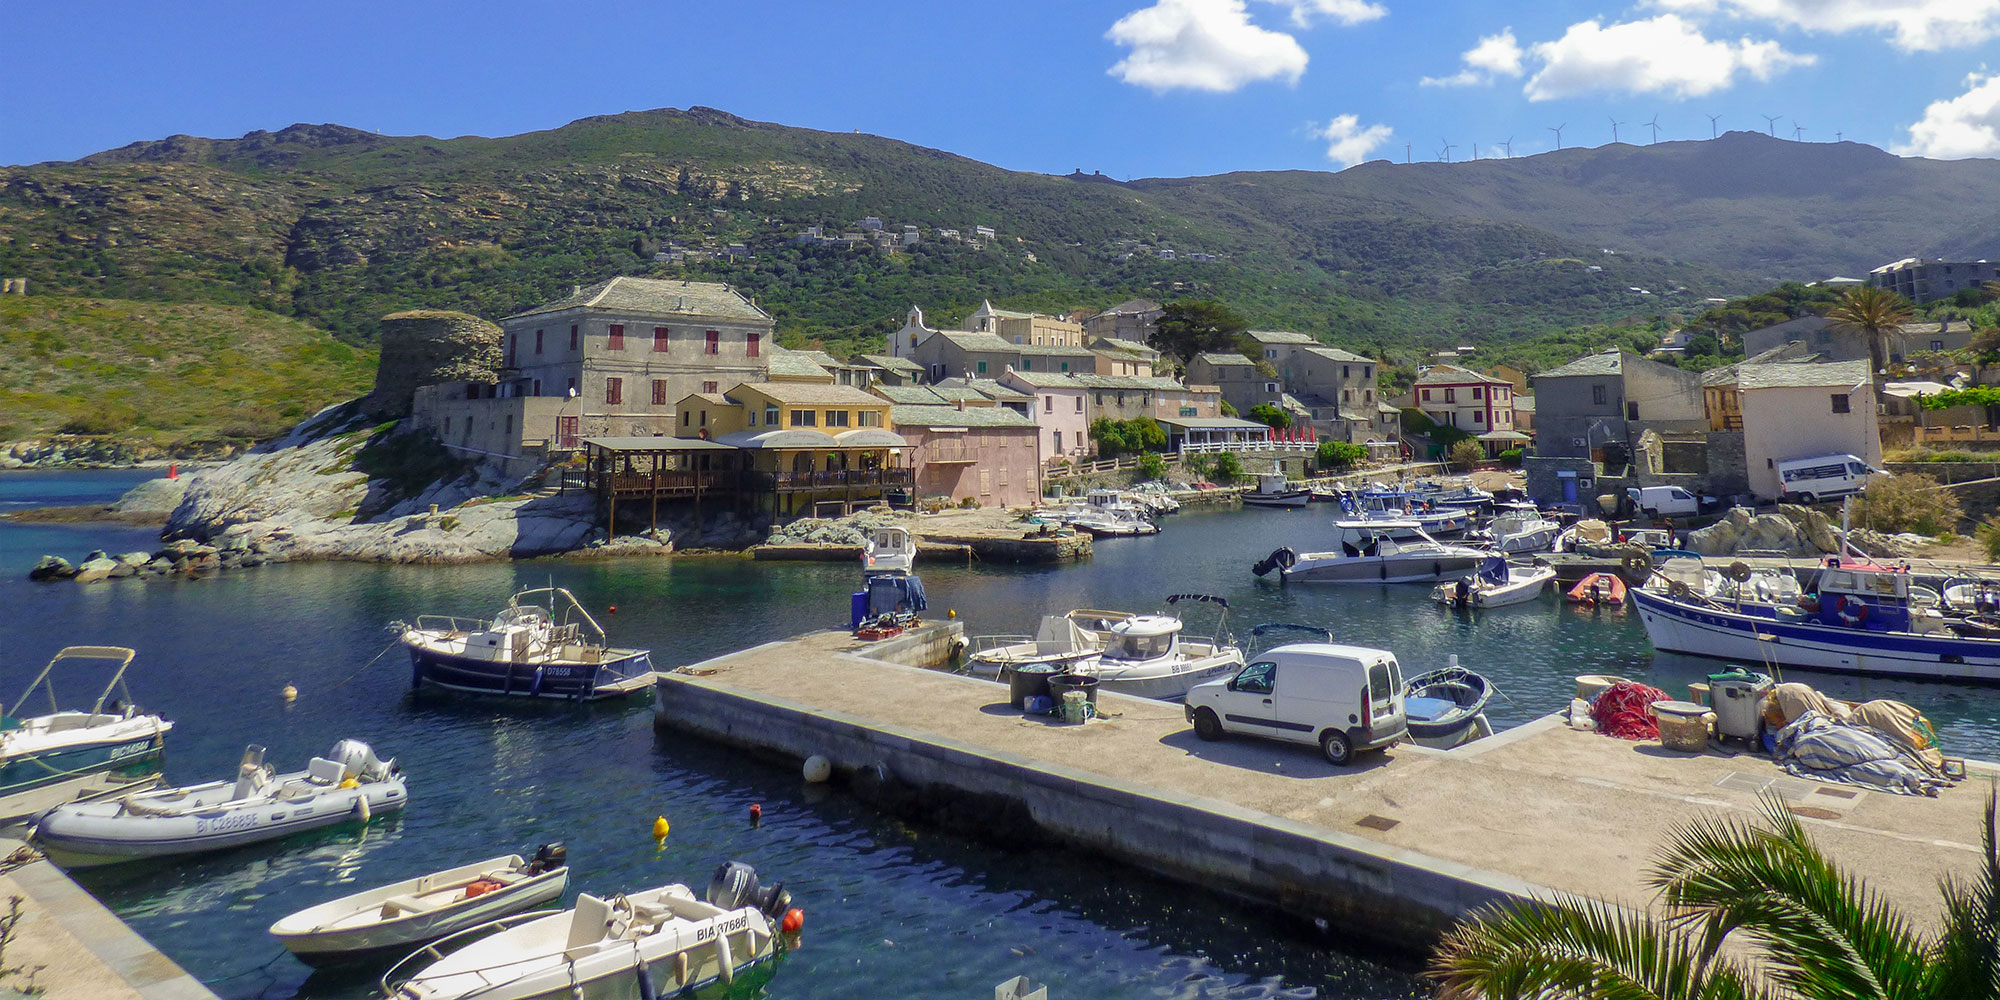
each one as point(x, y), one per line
point(805, 443)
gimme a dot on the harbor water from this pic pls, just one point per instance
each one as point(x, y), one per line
point(891, 909)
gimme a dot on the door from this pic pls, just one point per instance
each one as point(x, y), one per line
point(1569, 490)
point(1311, 699)
point(1247, 707)
point(566, 433)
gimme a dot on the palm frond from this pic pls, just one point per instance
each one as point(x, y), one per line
point(1577, 948)
point(1965, 957)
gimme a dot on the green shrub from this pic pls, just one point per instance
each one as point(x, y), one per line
point(1123, 437)
point(1909, 502)
point(1227, 470)
point(1988, 534)
point(1151, 465)
point(1465, 454)
point(1511, 458)
point(1226, 409)
point(1198, 467)
point(1271, 416)
point(1340, 454)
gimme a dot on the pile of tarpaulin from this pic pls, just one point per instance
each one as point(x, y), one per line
point(1885, 745)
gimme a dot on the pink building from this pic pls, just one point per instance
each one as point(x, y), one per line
point(1059, 410)
point(990, 454)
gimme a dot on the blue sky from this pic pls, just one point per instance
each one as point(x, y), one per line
point(1129, 87)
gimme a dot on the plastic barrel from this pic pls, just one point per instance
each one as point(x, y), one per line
point(1062, 683)
point(1028, 680)
point(857, 609)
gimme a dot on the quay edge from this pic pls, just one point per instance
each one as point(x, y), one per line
point(87, 951)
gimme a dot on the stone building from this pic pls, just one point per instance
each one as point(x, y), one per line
point(426, 347)
point(1815, 334)
point(1133, 320)
point(1923, 280)
point(987, 454)
point(1802, 410)
point(1591, 413)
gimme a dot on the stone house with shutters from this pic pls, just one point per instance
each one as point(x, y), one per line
point(985, 453)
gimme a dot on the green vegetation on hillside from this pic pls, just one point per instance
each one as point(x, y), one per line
point(166, 374)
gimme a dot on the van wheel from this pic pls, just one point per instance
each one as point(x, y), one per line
point(1206, 725)
point(1808, 499)
point(1334, 746)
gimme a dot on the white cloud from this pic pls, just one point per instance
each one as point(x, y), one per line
point(1494, 56)
point(1347, 12)
point(1202, 45)
point(1347, 143)
point(1663, 55)
point(1962, 126)
point(1912, 25)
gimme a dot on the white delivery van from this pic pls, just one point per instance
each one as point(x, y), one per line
point(1668, 501)
point(1345, 699)
point(1827, 477)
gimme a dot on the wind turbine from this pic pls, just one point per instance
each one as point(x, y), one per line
point(1448, 147)
point(1655, 126)
point(1475, 151)
point(1406, 152)
point(1837, 136)
point(1714, 132)
point(1614, 129)
point(1508, 144)
point(1771, 122)
point(1558, 130)
point(1798, 131)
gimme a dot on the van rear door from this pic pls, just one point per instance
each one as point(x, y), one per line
point(1385, 694)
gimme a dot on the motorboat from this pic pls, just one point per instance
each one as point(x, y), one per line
point(50, 758)
point(1516, 533)
point(347, 785)
point(1144, 655)
point(1112, 522)
point(1407, 512)
point(1274, 490)
point(1598, 590)
point(653, 943)
point(889, 549)
point(1863, 620)
point(1497, 584)
point(1456, 492)
point(394, 919)
point(543, 644)
point(1971, 595)
point(1447, 707)
point(1373, 552)
point(1154, 497)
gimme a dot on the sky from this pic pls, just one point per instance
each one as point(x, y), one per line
point(1132, 88)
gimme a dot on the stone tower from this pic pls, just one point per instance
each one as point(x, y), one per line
point(426, 347)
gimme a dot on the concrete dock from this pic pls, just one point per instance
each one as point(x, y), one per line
point(1393, 849)
point(77, 949)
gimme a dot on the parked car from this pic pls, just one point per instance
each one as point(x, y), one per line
point(1825, 477)
point(1345, 699)
point(1668, 501)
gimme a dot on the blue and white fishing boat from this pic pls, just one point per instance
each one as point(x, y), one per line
point(63, 749)
point(528, 650)
point(1401, 508)
point(1447, 707)
point(1865, 619)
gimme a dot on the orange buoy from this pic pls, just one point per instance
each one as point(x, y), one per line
point(756, 813)
point(795, 919)
point(173, 470)
point(614, 609)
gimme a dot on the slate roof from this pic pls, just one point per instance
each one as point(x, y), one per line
point(991, 388)
point(1051, 351)
point(1278, 337)
point(795, 364)
point(1127, 346)
point(1336, 354)
point(1224, 358)
point(656, 297)
point(1129, 383)
point(969, 341)
point(910, 394)
point(1131, 306)
point(889, 363)
point(813, 393)
point(711, 397)
point(1607, 363)
point(1794, 375)
point(1454, 375)
point(952, 416)
point(1049, 380)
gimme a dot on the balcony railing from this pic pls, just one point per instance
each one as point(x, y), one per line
point(853, 478)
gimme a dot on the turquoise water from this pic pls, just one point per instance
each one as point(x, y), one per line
point(22, 544)
point(893, 910)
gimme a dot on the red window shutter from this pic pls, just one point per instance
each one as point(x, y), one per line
point(659, 340)
point(708, 387)
point(617, 339)
point(572, 337)
point(538, 341)
point(614, 390)
point(659, 392)
point(751, 344)
point(714, 342)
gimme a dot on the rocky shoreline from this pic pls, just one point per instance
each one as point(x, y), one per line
point(76, 451)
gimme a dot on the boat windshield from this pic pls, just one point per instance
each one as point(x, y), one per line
point(526, 614)
point(1141, 647)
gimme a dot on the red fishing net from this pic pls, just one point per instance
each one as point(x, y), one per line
point(1621, 711)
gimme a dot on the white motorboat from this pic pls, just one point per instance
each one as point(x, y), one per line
point(1406, 513)
point(1274, 490)
point(1372, 552)
point(1497, 584)
point(1146, 656)
point(1154, 497)
point(347, 785)
point(889, 549)
point(527, 650)
point(395, 919)
point(653, 943)
point(1517, 534)
point(47, 759)
point(1112, 522)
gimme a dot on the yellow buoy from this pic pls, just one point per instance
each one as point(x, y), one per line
point(660, 828)
point(951, 613)
point(289, 693)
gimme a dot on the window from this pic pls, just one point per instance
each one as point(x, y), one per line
point(1027, 364)
point(513, 344)
point(805, 418)
point(1427, 395)
point(982, 367)
point(1631, 411)
point(753, 418)
point(659, 392)
point(686, 415)
point(1367, 395)
point(1343, 371)
point(1048, 404)
point(538, 341)
point(1367, 371)
point(708, 387)
point(1058, 447)
point(771, 416)
point(1257, 678)
point(836, 418)
point(871, 418)
point(1475, 392)
point(1450, 394)
point(1597, 395)
point(1079, 404)
point(714, 342)
point(704, 418)
point(1840, 402)
point(1937, 345)
point(614, 391)
point(750, 344)
point(616, 341)
point(572, 336)
point(1273, 387)
point(1479, 416)
point(662, 340)
point(1065, 366)
point(537, 388)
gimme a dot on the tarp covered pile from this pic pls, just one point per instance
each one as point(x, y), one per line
point(1885, 745)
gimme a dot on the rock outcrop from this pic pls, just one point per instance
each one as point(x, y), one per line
point(1794, 531)
point(850, 530)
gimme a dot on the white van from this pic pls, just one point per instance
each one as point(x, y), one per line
point(1827, 477)
point(1346, 699)
point(1667, 501)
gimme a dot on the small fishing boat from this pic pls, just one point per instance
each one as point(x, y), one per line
point(1146, 656)
point(394, 919)
point(1515, 533)
point(1274, 490)
point(1373, 552)
point(527, 650)
point(889, 549)
point(1496, 585)
point(653, 943)
point(47, 759)
point(1447, 707)
point(347, 785)
point(1598, 589)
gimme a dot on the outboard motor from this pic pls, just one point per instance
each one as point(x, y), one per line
point(1282, 558)
point(548, 857)
point(734, 885)
point(357, 759)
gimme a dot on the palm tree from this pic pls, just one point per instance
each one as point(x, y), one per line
point(1820, 933)
point(1875, 313)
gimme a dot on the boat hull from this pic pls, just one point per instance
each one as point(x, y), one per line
point(1722, 633)
point(1299, 499)
point(1383, 569)
point(1172, 686)
point(77, 839)
point(565, 681)
point(395, 939)
point(61, 764)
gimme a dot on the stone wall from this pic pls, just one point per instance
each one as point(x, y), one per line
point(426, 347)
point(1727, 476)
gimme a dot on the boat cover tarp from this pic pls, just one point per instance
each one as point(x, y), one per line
point(895, 593)
point(1427, 709)
point(1894, 720)
point(1622, 711)
point(1494, 571)
point(1818, 746)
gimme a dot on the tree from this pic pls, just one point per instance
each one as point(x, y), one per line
point(1271, 416)
point(1465, 454)
point(1151, 466)
point(1340, 454)
point(1822, 933)
point(1186, 329)
point(1227, 469)
point(1908, 502)
point(1875, 313)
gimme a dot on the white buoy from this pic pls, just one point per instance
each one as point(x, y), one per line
point(818, 769)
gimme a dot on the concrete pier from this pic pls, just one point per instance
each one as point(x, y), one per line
point(1393, 849)
point(83, 950)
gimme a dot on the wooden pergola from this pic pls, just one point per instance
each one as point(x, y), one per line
point(649, 469)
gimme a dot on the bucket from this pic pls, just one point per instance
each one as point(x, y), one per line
point(1062, 684)
point(1683, 725)
point(1028, 680)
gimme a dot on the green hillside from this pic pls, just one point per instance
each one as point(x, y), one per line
point(165, 374)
